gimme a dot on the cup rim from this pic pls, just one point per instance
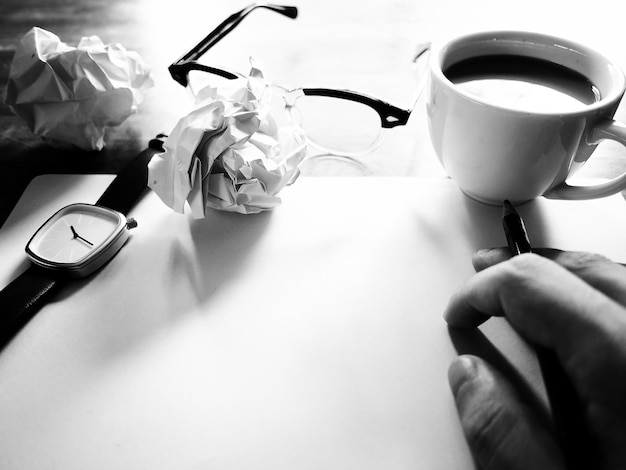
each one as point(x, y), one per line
point(442, 51)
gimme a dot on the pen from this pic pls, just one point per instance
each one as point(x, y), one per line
point(567, 411)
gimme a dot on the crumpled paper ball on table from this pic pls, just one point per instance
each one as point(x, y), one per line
point(228, 153)
point(70, 95)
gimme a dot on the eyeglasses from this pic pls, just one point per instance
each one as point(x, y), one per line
point(336, 122)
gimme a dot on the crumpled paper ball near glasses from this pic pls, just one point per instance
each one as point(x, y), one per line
point(71, 95)
point(228, 153)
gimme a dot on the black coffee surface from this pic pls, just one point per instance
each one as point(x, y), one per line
point(524, 83)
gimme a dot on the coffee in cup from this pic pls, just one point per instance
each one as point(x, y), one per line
point(513, 114)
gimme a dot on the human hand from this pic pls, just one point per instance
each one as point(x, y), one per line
point(572, 303)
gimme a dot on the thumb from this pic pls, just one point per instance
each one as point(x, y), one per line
point(502, 431)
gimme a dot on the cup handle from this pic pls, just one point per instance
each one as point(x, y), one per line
point(611, 130)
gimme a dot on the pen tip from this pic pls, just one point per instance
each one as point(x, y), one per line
point(507, 208)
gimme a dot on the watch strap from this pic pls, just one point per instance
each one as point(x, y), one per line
point(127, 187)
point(22, 298)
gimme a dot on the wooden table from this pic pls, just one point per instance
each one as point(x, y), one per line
point(364, 46)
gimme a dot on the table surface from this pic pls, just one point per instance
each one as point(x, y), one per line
point(308, 337)
point(363, 46)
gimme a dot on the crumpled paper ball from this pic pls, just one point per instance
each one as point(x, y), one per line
point(228, 153)
point(70, 95)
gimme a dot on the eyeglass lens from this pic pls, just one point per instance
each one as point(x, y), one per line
point(337, 125)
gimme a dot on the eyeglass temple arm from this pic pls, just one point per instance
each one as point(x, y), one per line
point(420, 60)
point(390, 115)
point(420, 50)
point(231, 23)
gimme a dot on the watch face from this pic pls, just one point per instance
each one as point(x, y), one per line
point(78, 239)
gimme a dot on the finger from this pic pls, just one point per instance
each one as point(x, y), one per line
point(487, 257)
point(502, 431)
point(598, 271)
point(544, 302)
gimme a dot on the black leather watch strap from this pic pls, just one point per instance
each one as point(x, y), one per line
point(127, 187)
point(24, 296)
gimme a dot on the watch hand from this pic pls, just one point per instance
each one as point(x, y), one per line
point(76, 235)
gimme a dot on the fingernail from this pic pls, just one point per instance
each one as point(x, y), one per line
point(462, 369)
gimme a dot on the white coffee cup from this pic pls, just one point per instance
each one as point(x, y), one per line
point(496, 148)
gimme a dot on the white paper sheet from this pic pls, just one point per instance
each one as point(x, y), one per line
point(308, 337)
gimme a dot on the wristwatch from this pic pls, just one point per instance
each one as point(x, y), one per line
point(79, 239)
point(74, 242)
